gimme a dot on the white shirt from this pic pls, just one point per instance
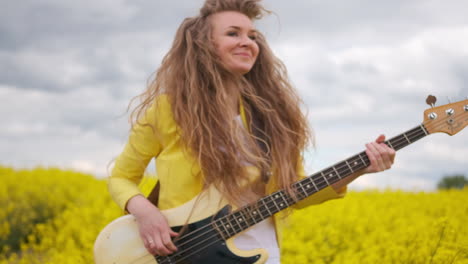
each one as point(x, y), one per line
point(261, 235)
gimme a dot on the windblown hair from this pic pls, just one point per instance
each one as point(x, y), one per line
point(194, 78)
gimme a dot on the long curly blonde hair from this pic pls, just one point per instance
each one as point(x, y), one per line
point(193, 77)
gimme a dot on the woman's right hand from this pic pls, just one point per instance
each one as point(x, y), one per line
point(154, 230)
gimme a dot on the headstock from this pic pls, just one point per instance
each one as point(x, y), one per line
point(449, 118)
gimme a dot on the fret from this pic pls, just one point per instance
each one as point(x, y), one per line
point(325, 174)
point(274, 202)
point(390, 144)
point(313, 182)
point(266, 207)
point(404, 134)
point(299, 191)
point(304, 190)
point(363, 162)
point(246, 214)
point(239, 227)
point(258, 214)
point(302, 184)
point(331, 175)
point(245, 218)
point(240, 220)
point(349, 166)
point(325, 178)
point(249, 221)
point(219, 227)
point(423, 129)
point(344, 169)
point(286, 202)
point(337, 174)
point(230, 226)
point(253, 214)
point(276, 196)
point(355, 161)
point(287, 198)
point(226, 227)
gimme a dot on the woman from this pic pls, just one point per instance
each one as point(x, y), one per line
point(220, 112)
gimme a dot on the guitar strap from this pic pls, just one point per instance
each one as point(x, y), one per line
point(153, 197)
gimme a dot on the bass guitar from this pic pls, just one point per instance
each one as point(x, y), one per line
point(214, 224)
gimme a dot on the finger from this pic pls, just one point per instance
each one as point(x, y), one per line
point(390, 151)
point(160, 248)
point(374, 157)
point(173, 234)
point(385, 158)
point(380, 138)
point(387, 154)
point(166, 239)
point(149, 245)
point(371, 157)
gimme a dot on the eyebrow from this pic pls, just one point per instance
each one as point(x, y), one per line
point(238, 28)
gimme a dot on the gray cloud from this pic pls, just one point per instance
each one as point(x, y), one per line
point(69, 68)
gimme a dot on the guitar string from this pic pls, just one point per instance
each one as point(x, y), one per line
point(394, 143)
point(399, 141)
point(183, 240)
point(214, 239)
point(420, 135)
point(290, 200)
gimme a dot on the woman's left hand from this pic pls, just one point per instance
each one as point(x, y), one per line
point(380, 155)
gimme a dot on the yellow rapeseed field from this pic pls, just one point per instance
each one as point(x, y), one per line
point(51, 216)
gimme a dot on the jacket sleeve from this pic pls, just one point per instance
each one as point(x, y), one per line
point(130, 165)
point(321, 196)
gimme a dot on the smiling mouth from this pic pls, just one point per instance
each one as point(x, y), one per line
point(243, 55)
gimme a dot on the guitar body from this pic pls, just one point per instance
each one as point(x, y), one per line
point(120, 242)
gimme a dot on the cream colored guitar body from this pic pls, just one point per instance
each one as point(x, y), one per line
point(120, 242)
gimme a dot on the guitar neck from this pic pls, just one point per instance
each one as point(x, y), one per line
point(265, 207)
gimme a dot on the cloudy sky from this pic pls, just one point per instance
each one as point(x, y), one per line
point(68, 70)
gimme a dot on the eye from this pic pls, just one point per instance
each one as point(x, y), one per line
point(253, 37)
point(232, 33)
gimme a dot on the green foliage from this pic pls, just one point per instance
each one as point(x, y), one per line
point(457, 181)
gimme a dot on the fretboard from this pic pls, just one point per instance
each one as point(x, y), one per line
point(265, 207)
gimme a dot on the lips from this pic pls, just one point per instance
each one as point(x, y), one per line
point(243, 54)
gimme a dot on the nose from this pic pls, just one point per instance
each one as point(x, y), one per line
point(246, 41)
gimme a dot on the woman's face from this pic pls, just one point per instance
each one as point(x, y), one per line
point(234, 37)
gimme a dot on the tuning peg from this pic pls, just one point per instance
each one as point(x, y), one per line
point(431, 100)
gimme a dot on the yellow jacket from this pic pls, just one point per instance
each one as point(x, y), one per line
point(176, 170)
